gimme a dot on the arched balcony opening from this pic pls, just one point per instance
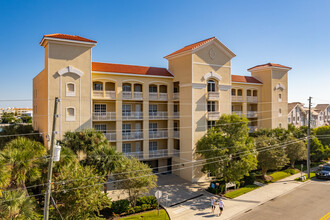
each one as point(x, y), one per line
point(138, 91)
point(110, 90)
point(127, 91)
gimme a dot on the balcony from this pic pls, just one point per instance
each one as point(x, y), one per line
point(176, 114)
point(176, 152)
point(162, 96)
point(153, 95)
point(138, 96)
point(212, 116)
point(132, 115)
point(176, 134)
point(158, 115)
point(176, 96)
point(97, 94)
point(213, 96)
point(239, 113)
point(107, 94)
point(135, 135)
point(158, 96)
point(158, 134)
point(104, 116)
point(251, 114)
point(110, 136)
point(127, 95)
point(137, 154)
point(253, 99)
point(158, 153)
point(237, 98)
point(110, 94)
point(252, 128)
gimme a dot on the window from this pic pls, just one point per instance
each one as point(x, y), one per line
point(126, 110)
point(288, 120)
point(175, 126)
point(255, 93)
point(210, 124)
point(70, 89)
point(211, 106)
point(153, 88)
point(126, 148)
point(211, 86)
point(137, 88)
point(280, 111)
point(153, 110)
point(176, 108)
point(280, 97)
point(127, 87)
point(248, 92)
point(127, 129)
point(102, 128)
point(152, 126)
point(294, 119)
point(98, 86)
point(153, 146)
point(239, 92)
point(100, 108)
point(280, 125)
point(70, 114)
point(233, 92)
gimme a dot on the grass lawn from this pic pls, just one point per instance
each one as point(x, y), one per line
point(279, 175)
point(240, 191)
point(313, 174)
point(151, 215)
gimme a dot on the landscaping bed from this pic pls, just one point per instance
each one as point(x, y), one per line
point(149, 215)
point(313, 174)
point(238, 192)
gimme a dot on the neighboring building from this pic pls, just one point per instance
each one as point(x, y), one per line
point(297, 114)
point(154, 114)
point(324, 113)
point(17, 111)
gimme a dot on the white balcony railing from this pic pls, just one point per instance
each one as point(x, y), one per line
point(127, 95)
point(133, 135)
point(176, 134)
point(239, 113)
point(132, 115)
point(162, 96)
point(176, 152)
point(104, 116)
point(158, 134)
point(213, 95)
point(251, 98)
point(211, 116)
point(252, 128)
point(110, 136)
point(97, 94)
point(237, 98)
point(251, 114)
point(153, 95)
point(138, 96)
point(176, 114)
point(137, 154)
point(176, 96)
point(158, 153)
point(110, 94)
point(157, 96)
point(158, 115)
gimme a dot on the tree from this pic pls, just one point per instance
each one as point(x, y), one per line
point(228, 150)
point(295, 150)
point(8, 118)
point(318, 150)
point(297, 132)
point(26, 119)
point(323, 133)
point(270, 156)
point(135, 177)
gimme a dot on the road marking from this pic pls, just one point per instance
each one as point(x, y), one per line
point(327, 216)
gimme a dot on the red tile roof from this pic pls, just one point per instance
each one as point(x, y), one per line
point(68, 37)
point(270, 65)
point(244, 79)
point(191, 46)
point(122, 68)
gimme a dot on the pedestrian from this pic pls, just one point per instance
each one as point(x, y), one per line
point(221, 205)
point(212, 204)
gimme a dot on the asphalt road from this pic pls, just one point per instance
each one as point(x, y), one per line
point(311, 201)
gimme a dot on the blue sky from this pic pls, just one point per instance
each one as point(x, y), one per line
point(295, 33)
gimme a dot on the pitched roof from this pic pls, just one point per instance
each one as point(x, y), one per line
point(244, 79)
point(123, 68)
point(67, 37)
point(269, 65)
point(321, 107)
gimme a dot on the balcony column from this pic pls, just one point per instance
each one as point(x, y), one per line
point(103, 83)
point(145, 95)
point(170, 127)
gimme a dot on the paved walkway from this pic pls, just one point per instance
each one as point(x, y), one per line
point(199, 208)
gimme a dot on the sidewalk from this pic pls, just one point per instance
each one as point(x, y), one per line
point(200, 208)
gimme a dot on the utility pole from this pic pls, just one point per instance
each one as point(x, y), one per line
point(50, 164)
point(308, 137)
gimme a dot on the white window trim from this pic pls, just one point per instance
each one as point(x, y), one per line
point(67, 93)
point(70, 118)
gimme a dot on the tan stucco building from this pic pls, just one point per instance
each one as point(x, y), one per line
point(155, 114)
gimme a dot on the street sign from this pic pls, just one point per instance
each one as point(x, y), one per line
point(158, 194)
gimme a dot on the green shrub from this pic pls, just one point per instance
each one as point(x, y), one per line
point(249, 180)
point(145, 207)
point(137, 208)
point(130, 210)
point(237, 184)
point(291, 171)
point(150, 200)
point(242, 183)
point(120, 206)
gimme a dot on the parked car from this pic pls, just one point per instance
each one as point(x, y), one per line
point(324, 172)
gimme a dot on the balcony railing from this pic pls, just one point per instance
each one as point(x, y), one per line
point(237, 98)
point(110, 94)
point(158, 153)
point(251, 114)
point(239, 113)
point(176, 152)
point(132, 115)
point(211, 116)
point(176, 96)
point(213, 95)
point(157, 96)
point(134, 135)
point(251, 98)
point(162, 96)
point(127, 95)
point(158, 115)
point(158, 134)
point(176, 134)
point(137, 154)
point(104, 116)
point(110, 136)
point(138, 96)
point(176, 114)
point(252, 128)
point(97, 94)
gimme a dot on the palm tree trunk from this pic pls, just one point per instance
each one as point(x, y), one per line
point(105, 188)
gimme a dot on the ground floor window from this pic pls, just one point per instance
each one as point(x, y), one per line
point(210, 124)
point(126, 148)
point(101, 127)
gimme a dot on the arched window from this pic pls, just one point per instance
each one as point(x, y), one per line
point(280, 111)
point(233, 92)
point(248, 92)
point(70, 89)
point(127, 87)
point(211, 87)
point(152, 88)
point(280, 125)
point(70, 114)
point(239, 92)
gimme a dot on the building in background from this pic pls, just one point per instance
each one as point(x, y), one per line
point(154, 114)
